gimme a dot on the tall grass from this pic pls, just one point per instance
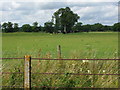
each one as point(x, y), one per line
point(81, 45)
point(66, 79)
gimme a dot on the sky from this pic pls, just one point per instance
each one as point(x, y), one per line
point(29, 11)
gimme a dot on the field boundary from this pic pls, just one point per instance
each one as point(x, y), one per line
point(27, 72)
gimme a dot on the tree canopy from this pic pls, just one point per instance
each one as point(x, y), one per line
point(65, 18)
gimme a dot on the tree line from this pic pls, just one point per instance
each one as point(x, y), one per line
point(63, 21)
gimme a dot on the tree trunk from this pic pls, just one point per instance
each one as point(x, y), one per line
point(65, 29)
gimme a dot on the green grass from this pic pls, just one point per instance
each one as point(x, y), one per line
point(101, 45)
point(78, 45)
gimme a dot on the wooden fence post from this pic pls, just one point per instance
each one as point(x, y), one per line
point(59, 51)
point(27, 73)
point(93, 73)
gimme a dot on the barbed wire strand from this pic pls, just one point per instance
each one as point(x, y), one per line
point(11, 58)
point(72, 87)
point(13, 86)
point(58, 59)
point(53, 87)
point(57, 73)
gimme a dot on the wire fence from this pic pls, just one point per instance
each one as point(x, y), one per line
point(51, 73)
point(57, 73)
point(57, 59)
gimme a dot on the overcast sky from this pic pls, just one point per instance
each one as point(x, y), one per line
point(29, 11)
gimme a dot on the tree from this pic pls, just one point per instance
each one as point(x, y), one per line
point(64, 17)
point(106, 28)
point(7, 27)
point(86, 28)
point(10, 27)
point(116, 27)
point(97, 27)
point(35, 27)
point(48, 27)
point(77, 27)
point(26, 28)
point(4, 27)
point(16, 28)
point(57, 22)
point(42, 28)
point(0, 28)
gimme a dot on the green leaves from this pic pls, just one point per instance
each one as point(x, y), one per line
point(66, 18)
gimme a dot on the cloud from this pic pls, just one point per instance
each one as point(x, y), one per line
point(61, 0)
point(28, 12)
point(119, 11)
point(92, 0)
point(105, 14)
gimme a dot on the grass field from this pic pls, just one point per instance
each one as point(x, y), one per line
point(81, 45)
point(78, 45)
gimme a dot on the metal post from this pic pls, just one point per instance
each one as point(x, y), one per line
point(59, 51)
point(27, 72)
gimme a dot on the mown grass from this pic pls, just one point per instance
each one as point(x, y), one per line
point(78, 45)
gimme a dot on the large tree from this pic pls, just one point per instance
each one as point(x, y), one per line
point(65, 18)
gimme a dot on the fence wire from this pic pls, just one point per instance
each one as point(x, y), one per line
point(57, 59)
point(55, 74)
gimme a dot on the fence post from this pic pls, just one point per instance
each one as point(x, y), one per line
point(93, 73)
point(59, 51)
point(27, 72)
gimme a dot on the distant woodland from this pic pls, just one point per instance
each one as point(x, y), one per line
point(63, 21)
